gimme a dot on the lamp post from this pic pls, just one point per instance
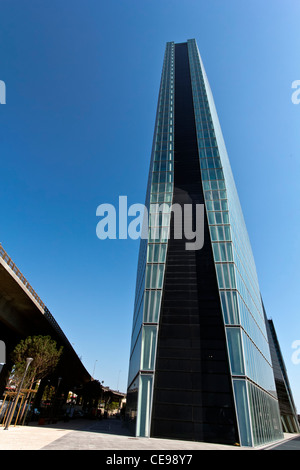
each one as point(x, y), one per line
point(13, 407)
point(94, 367)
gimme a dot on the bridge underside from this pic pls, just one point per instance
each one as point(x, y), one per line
point(21, 315)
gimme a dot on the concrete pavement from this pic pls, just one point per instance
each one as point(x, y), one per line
point(110, 434)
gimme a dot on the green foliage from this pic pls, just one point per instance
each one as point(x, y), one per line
point(49, 392)
point(113, 405)
point(45, 356)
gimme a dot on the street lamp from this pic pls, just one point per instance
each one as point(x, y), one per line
point(94, 368)
point(13, 407)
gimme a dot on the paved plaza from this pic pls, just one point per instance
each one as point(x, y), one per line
point(109, 434)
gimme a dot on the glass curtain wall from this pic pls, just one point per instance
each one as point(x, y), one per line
point(248, 348)
point(152, 256)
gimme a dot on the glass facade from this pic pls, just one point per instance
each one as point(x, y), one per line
point(200, 363)
point(152, 256)
point(288, 411)
point(244, 320)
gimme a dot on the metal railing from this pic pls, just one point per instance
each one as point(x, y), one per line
point(18, 273)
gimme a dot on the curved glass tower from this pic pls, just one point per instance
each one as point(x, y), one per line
point(200, 365)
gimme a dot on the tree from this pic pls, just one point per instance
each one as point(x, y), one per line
point(114, 405)
point(92, 393)
point(45, 356)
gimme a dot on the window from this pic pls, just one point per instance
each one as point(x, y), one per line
point(148, 347)
point(235, 351)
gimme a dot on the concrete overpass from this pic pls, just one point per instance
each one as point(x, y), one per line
point(22, 314)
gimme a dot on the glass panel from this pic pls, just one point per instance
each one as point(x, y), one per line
point(235, 308)
point(241, 401)
point(213, 233)
point(151, 305)
point(156, 253)
point(157, 307)
point(224, 307)
point(232, 308)
point(235, 351)
point(148, 347)
point(218, 217)
point(211, 218)
point(150, 253)
point(265, 416)
point(220, 233)
point(223, 251)
point(225, 218)
point(154, 275)
point(227, 232)
point(148, 276)
point(144, 405)
point(166, 219)
point(217, 206)
point(164, 234)
point(216, 251)
point(232, 276)
point(146, 303)
point(220, 175)
point(226, 276)
point(135, 359)
point(220, 277)
point(155, 177)
point(160, 276)
point(229, 252)
point(162, 254)
point(224, 205)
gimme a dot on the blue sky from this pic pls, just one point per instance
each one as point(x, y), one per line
point(82, 81)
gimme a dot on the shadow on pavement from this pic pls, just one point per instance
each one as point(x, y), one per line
point(105, 426)
point(117, 427)
point(290, 444)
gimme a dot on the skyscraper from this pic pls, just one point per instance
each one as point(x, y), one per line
point(288, 412)
point(200, 365)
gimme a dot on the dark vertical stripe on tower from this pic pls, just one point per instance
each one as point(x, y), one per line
point(193, 396)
